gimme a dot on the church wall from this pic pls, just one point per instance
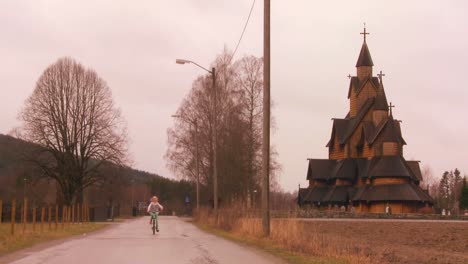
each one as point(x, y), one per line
point(352, 103)
point(354, 140)
point(342, 182)
point(316, 183)
point(363, 72)
point(396, 207)
point(338, 152)
point(388, 180)
point(390, 148)
point(367, 92)
point(367, 151)
point(361, 182)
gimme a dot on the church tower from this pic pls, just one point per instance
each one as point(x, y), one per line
point(366, 169)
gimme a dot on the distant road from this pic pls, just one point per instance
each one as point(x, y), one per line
point(382, 220)
point(132, 242)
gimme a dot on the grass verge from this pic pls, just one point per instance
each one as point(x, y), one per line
point(270, 247)
point(10, 243)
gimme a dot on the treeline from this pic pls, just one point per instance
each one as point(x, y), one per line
point(450, 192)
point(238, 115)
point(118, 186)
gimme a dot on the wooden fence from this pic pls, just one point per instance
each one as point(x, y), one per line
point(51, 217)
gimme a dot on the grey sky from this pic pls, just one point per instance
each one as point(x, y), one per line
point(420, 46)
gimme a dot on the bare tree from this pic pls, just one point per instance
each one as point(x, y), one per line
point(250, 83)
point(73, 121)
point(239, 117)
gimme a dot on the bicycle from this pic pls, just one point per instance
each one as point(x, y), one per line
point(154, 220)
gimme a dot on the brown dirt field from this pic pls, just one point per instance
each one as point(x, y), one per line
point(400, 242)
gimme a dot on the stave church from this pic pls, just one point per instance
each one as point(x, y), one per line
point(366, 171)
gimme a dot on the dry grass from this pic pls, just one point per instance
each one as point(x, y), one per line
point(286, 234)
point(20, 240)
point(341, 241)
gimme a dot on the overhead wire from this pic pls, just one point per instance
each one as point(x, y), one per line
point(243, 31)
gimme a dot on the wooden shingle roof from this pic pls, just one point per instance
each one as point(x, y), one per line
point(353, 168)
point(392, 192)
point(365, 58)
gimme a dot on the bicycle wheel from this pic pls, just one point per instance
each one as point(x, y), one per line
point(154, 226)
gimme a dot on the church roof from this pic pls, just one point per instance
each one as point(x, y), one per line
point(414, 166)
point(389, 130)
point(367, 193)
point(341, 193)
point(358, 85)
point(387, 166)
point(315, 194)
point(344, 128)
point(392, 192)
point(381, 100)
point(364, 57)
point(353, 168)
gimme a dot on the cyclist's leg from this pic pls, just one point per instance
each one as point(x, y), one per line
point(156, 219)
point(152, 217)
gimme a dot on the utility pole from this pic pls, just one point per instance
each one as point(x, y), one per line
point(197, 165)
point(215, 144)
point(266, 122)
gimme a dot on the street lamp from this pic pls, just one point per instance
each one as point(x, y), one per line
point(215, 151)
point(197, 157)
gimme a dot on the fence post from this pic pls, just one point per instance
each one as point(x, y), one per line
point(49, 217)
point(78, 213)
point(73, 214)
point(68, 215)
point(42, 218)
point(1, 209)
point(86, 213)
point(25, 214)
point(83, 214)
point(56, 217)
point(34, 219)
point(63, 215)
point(13, 216)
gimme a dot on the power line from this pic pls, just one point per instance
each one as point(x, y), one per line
point(243, 31)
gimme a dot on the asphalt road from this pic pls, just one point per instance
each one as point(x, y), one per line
point(133, 242)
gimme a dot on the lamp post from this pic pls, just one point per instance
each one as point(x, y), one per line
point(215, 118)
point(197, 157)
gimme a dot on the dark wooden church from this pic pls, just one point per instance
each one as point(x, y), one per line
point(366, 170)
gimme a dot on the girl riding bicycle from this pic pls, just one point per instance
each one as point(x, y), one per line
point(153, 209)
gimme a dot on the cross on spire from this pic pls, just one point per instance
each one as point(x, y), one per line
point(381, 74)
point(349, 76)
point(390, 107)
point(365, 32)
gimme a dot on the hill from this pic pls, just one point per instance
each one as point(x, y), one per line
point(119, 186)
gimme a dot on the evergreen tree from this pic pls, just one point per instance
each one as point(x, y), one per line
point(464, 195)
point(444, 191)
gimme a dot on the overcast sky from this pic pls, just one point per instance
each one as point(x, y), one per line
point(420, 45)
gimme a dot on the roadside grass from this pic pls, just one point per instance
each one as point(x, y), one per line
point(271, 247)
point(295, 241)
point(10, 243)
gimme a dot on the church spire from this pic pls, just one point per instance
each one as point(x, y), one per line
point(364, 56)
